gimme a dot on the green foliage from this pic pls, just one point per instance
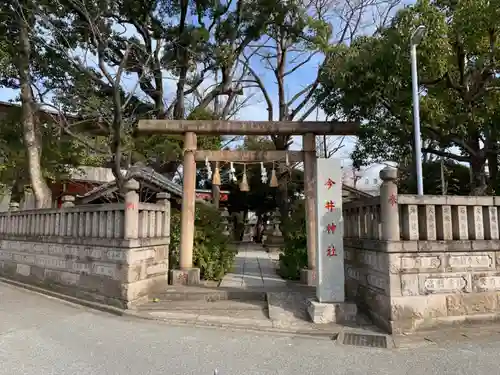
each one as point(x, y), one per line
point(456, 177)
point(164, 153)
point(212, 252)
point(197, 38)
point(59, 151)
point(458, 69)
point(84, 64)
point(294, 256)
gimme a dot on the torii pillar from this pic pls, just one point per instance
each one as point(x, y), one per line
point(187, 274)
point(308, 276)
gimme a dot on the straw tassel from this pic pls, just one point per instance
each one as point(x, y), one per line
point(216, 175)
point(244, 182)
point(274, 179)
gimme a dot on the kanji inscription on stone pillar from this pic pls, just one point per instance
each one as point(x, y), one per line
point(330, 252)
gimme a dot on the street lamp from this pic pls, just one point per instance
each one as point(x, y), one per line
point(415, 40)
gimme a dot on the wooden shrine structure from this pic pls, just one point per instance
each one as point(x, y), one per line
point(191, 128)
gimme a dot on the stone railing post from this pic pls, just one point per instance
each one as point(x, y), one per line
point(68, 201)
point(131, 222)
point(389, 212)
point(163, 199)
point(13, 222)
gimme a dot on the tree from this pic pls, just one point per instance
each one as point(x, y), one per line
point(164, 153)
point(458, 71)
point(456, 179)
point(61, 153)
point(301, 36)
point(90, 50)
point(18, 51)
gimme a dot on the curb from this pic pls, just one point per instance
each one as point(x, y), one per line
point(192, 320)
point(210, 321)
point(65, 298)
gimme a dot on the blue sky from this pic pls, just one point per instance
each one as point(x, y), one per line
point(257, 108)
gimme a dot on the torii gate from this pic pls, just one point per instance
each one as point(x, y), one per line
point(191, 128)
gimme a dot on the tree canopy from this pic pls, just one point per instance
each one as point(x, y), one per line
point(458, 67)
point(105, 65)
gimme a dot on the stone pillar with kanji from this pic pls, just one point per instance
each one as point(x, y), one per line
point(329, 235)
point(330, 305)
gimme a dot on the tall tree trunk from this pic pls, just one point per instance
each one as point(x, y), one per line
point(493, 171)
point(491, 145)
point(32, 141)
point(478, 176)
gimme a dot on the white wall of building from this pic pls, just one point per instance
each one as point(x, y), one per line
point(367, 179)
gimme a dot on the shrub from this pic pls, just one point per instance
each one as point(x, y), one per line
point(212, 251)
point(294, 256)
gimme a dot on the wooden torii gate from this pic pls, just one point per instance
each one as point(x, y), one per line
point(191, 128)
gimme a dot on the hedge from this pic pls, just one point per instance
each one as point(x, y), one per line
point(294, 255)
point(213, 252)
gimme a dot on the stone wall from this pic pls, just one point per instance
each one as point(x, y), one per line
point(416, 262)
point(111, 253)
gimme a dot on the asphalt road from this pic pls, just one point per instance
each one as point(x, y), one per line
point(41, 336)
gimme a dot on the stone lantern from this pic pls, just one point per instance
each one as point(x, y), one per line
point(225, 222)
point(274, 237)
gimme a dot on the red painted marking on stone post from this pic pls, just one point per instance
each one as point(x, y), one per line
point(329, 183)
point(330, 228)
point(393, 199)
point(330, 205)
point(331, 251)
point(131, 206)
point(183, 278)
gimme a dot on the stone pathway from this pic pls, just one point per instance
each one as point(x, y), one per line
point(254, 268)
point(251, 296)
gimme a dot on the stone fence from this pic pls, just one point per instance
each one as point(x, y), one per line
point(110, 253)
point(414, 262)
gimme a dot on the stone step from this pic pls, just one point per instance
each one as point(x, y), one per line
point(249, 308)
point(214, 293)
point(210, 294)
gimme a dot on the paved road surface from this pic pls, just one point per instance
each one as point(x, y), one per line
point(40, 336)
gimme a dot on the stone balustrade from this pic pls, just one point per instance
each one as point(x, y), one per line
point(112, 253)
point(362, 219)
point(90, 221)
point(445, 218)
point(414, 262)
point(98, 221)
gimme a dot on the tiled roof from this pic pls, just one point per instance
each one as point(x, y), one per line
point(141, 174)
